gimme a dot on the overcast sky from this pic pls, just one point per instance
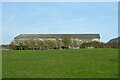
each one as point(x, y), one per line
point(59, 18)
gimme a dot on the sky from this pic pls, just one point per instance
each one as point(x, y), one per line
point(59, 18)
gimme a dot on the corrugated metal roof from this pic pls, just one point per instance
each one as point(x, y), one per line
point(80, 36)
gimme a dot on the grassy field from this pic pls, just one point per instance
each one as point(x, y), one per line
point(82, 63)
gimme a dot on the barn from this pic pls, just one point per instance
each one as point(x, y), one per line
point(36, 38)
point(77, 37)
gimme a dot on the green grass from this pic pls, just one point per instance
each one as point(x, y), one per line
point(82, 63)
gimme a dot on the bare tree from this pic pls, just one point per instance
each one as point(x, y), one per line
point(51, 44)
point(12, 45)
point(40, 44)
point(31, 44)
point(46, 46)
point(58, 43)
point(26, 44)
point(74, 43)
point(66, 42)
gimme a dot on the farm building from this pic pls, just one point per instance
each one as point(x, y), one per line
point(80, 38)
point(76, 39)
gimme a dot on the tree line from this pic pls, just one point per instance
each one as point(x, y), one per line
point(96, 44)
point(42, 44)
point(65, 43)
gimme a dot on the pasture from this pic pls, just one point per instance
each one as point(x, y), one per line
point(77, 63)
